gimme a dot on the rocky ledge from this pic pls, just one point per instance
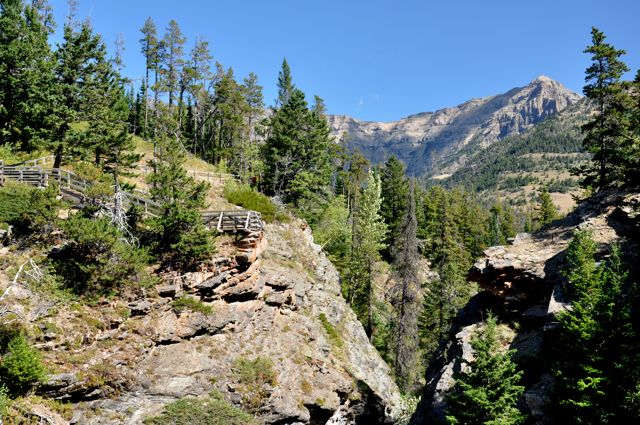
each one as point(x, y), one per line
point(123, 361)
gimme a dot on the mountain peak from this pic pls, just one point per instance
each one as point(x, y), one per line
point(542, 79)
point(423, 141)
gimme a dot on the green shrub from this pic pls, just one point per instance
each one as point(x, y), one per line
point(28, 208)
point(190, 303)
point(247, 197)
point(21, 366)
point(209, 411)
point(97, 257)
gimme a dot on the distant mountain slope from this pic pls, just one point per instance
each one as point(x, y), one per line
point(427, 141)
point(541, 156)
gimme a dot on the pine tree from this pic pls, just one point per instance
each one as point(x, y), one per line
point(595, 355)
point(368, 240)
point(285, 84)
point(149, 48)
point(298, 152)
point(182, 237)
point(79, 58)
point(487, 391)
point(394, 197)
point(606, 133)
point(251, 165)
point(547, 211)
point(172, 61)
point(27, 86)
point(198, 71)
point(405, 297)
point(632, 165)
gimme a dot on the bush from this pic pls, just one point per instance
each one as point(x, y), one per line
point(209, 411)
point(247, 197)
point(28, 208)
point(97, 257)
point(190, 303)
point(21, 366)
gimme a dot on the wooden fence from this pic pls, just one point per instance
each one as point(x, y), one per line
point(77, 189)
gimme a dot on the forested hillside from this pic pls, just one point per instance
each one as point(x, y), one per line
point(518, 166)
point(176, 251)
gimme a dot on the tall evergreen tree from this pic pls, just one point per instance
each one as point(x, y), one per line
point(406, 297)
point(394, 197)
point(228, 120)
point(149, 48)
point(250, 163)
point(172, 61)
point(181, 235)
point(606, 133)
point(368, 240)
point(80, 56)
point(297, 152)
point(27, 86)
point(198, 71)
point(547, 211)
point(595, 356)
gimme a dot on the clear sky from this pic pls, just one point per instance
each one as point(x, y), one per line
point(383, 60)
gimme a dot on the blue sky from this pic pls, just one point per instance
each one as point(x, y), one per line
point(383, 60)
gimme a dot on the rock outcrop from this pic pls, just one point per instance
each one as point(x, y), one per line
point(523, 283)
point(424, 141)
point(123, 360)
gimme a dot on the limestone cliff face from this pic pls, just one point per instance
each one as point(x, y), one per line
point(523, 283)
point(273, 296)
point(424, 140)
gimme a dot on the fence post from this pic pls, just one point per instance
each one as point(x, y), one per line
point(246, 223)
point(2, 172)
point(219, 226)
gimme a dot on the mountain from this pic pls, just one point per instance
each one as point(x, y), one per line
point(516, 166)
point(429, 140)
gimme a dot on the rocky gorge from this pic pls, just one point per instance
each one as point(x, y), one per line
point(523, 283)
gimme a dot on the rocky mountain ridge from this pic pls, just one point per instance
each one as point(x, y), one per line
point(424, 141)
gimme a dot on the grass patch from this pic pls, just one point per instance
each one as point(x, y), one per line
point(334, 337)
point(209, 411)
point(189, 303)
point(254, 378)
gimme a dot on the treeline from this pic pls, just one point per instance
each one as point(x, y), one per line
point(214, 115)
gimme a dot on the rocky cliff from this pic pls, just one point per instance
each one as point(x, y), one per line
point(522, 282)
point(273, 297)
point(426, 140)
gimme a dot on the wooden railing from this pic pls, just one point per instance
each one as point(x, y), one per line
point(196, 174)
point(77, 188)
